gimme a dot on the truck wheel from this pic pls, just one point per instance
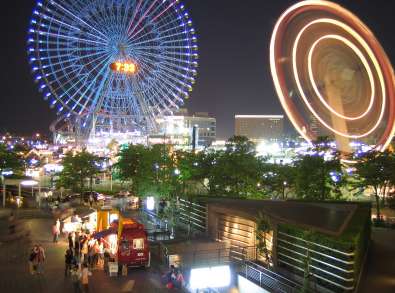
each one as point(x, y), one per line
point(148, 264)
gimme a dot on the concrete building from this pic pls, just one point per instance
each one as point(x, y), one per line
point(329, 239)
point(178, 129)
point(260, 127)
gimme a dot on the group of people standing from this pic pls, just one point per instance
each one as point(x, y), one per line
point(174, 278)
point(84, 253)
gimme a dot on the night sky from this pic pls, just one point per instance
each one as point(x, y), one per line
point(234, 74)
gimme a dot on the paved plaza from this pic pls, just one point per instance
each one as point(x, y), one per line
point(14, 275)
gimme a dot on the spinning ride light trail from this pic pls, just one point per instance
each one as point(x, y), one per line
point(327, 65)
point(113, 65)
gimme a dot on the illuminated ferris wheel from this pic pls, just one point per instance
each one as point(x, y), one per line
point(113, 65)
point(332, 76)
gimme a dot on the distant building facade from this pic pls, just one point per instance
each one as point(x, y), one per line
point(260, 127)
point(178, 129)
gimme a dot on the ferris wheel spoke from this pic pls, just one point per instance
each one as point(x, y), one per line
point(145, 109)
point(78, 69)
point(164, 95)
point(133, 103)
point(165, 58)
point(73, 60)
point(131, 31)
point(56, 36)
point(164, 37)
point(64, 25)
point(104, 72)
point(169, 84)
point(76, 80)
point(162, 28)
point(153, 20)
point(71, 50)
point(168, 71)
point(98, 98)
point(125, 18)
point(78, 19)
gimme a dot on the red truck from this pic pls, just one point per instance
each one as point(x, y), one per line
point(133, 246)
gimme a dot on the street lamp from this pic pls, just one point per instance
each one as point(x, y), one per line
point(284, 185)
point(5, 173)
point(30, 183)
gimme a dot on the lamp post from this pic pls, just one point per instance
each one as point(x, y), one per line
point(284, 185)
point(28, 183)
point(3, 174)
point(3, 181)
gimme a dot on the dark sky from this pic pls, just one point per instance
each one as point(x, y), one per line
point(234, 75)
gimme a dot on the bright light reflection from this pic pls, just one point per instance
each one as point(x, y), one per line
point(214, 277)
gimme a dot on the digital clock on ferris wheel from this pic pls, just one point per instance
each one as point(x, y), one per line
point(124, 67)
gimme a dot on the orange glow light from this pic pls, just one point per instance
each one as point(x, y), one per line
point(124, 67)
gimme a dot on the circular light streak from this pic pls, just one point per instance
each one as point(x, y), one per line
point(329, 21)
point(363, 60)
point(371, 55)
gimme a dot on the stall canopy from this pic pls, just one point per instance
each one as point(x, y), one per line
point(105, 233)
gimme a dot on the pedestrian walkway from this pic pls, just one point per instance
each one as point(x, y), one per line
point(15, 277)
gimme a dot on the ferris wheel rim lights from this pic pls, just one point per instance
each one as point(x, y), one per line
point(366, 40)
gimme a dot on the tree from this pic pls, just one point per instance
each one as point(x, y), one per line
point(318, 178)
point(10, 160)
point(150, 169)
point(236, 171)
point(263, 228)
point(376, 170)
point(319, 173)
point(77, 168)
point(278, 179)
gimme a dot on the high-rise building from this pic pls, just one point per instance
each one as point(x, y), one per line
point(260, 127)
point(179, 129)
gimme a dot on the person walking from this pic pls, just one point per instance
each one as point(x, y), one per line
point(33, 260)
point(91, 201)
point(57, 223)
point(68, 260)
point(40, 259)
point(71, 241)
point(77, 247)
point(55, 233)
point(11, 223)
point(75, 276)
point(101, 254)
point(85, 274)
point(84, 251)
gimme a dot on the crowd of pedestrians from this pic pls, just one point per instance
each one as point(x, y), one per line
point(84, 254)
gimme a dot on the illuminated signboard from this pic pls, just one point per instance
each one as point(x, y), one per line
point(124, 67)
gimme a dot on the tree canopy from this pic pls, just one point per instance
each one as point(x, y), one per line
point(77, 168)
point(376, 170)
point(10, 160)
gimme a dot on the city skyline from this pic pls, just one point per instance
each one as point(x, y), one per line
point(234, 75)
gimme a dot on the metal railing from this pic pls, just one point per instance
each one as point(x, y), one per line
point(210, 257)
point(268, 279)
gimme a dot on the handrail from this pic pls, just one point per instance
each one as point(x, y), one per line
point(271, 272)
point(320, 245)
point(276, 280)
point(319, 277)
point(320, 253)
point(317, 260)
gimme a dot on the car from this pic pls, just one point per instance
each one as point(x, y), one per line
point(96, 196)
